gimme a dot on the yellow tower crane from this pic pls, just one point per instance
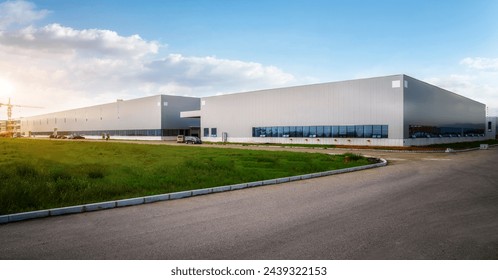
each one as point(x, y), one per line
point(11, 123)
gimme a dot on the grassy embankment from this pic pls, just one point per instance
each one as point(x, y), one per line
point(41, 174)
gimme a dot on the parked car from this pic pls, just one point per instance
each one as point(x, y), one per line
point(75, 136)
point(192, 140)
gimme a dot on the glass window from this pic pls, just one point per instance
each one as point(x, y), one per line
point(206, 132)
point(359, 131)
point(319, 131)
point(274, 131)
point(214, 132)
point(268, 131)
point(286, 131)
point(280, 131)
point(367, 131)
point(327, 132)
point(306, 131)
point(342, 131)
point(334, 131)
point(351, 131)
point(299, 131)
point(312, 131)
point(376, 131)
point(385, 131)
point(292, 131)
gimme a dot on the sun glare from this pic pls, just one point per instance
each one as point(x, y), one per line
point(6, 89)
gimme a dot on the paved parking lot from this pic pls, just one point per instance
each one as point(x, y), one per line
point(421, 206)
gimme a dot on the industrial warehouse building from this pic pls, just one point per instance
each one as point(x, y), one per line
point(385, 111)
point(149, 118)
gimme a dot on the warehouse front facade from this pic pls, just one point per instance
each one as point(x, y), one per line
point(393, 110)
point(385, 111)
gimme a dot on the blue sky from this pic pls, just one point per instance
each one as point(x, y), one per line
point(86, 52)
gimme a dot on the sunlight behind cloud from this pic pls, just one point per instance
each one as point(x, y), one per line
point(6, 90)
point(81, 67)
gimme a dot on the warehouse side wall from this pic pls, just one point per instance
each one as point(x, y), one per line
point(433, 115)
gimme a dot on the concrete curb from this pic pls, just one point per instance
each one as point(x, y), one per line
point(66, 210)
point(99, 206)
point(170, 196)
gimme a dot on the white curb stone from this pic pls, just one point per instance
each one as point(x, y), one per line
point(238, 187)
point(221, 189)
point(294, 178)
point(254, 184)
point(28, 215)
point(4, 219)
point(201, 192)
point(179, 195)
point(155, 198)
point(269, 182)
point(99, 206)
point(129, 202)
point(283, 180)
point(66, 210)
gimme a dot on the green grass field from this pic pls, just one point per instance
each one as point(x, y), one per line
point(41, 174)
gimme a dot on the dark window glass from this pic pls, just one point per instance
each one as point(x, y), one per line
point(292, 131)
point(268, 132)
point(280, 131)
point(367, 132)
point(342, 131)
point(359, 131)
point(327, 132)
point(335, 131)
point(258, 131)
point(274, 131)
point(286, 131)
point(376, 131)
point(206, 132)
point(214, 131)
point(312, 131)
point(489, 126)
point(319, 131)
point(385, 131)
point(351, 131)
point(306, 131)
point(299, 131)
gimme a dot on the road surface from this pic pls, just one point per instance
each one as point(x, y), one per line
point(421, 206)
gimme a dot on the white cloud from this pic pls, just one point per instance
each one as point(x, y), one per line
point(214, 73)
point(481, 63)
point(19, 13)
point(55, 38)
point(59, 67)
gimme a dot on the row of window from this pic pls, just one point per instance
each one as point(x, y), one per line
point(335, 131)
point(214, 132)
point(128, 132)
point(423, 131)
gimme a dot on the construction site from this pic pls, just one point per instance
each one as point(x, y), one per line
point(11, 127)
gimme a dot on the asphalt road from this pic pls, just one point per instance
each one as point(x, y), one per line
point(421, 206)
